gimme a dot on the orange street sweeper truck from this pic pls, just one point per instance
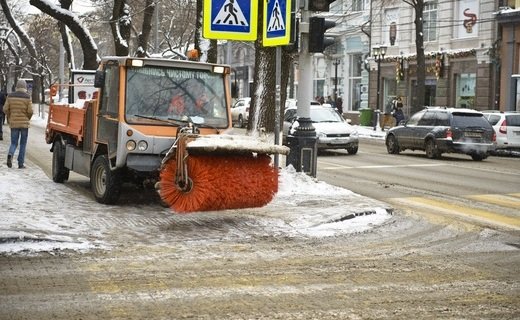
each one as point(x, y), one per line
point(162, 123)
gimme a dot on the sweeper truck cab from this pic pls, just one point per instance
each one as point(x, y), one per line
point(161, 123)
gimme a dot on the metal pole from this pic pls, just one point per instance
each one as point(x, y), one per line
point(61, 74)
point(336, 63)
point(303, 142)
point(278, 103)
point(377, 111)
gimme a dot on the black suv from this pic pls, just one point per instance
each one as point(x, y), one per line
point(437, 130)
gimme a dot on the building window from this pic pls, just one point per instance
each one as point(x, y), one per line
point(391, 18)
point(466, 90)
point(359, 5)
point(430, 21)
point(354, 80)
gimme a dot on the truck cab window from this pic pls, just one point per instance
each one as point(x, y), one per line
point(159, 93)
point(110, 97)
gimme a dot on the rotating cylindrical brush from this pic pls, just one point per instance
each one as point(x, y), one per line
point(220, 182)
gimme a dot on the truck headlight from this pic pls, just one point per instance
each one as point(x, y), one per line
point(130, 145)
point(142, 145)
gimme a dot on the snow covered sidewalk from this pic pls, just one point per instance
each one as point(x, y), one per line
point(38, 215)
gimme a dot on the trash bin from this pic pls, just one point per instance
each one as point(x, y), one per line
point(365, 117)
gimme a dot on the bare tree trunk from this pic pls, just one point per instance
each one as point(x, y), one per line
point(263, 102)
point(35, 71)
point(212, 52)
point(90, 57)
point(65, 4)
point(287, 65)
point(198, 27)
point(120, 37)
point(146, 29)
point(418, 5)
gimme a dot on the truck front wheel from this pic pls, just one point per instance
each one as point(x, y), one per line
point(106, 184)
point(59, 172)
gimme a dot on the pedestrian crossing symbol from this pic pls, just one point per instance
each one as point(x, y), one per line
point(277, 22)
point(230, 19)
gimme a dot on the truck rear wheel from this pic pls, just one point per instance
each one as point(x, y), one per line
point(106, 184)
point(59, 172)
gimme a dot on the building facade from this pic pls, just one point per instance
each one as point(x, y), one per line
point(467, 64)
point(459, 45)
point(508, 18)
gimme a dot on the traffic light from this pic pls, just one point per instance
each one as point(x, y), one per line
point(295, 35)
point(317, 39)
point(319, 5)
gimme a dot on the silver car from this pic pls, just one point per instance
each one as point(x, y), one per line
point(240, 112)
point(332, 131)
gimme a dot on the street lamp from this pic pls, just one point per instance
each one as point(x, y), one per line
point(378, 53)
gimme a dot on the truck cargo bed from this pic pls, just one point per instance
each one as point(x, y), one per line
point(65, 119)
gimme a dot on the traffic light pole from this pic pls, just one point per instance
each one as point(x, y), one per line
point(303, 142)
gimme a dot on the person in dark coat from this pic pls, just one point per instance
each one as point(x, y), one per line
point(339, 105)
point(18, 109)
point(398, 110)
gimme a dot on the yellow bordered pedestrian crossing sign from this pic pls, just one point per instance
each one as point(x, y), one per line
point(230, 19)
point(277, 22)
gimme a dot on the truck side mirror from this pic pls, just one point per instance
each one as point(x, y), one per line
point(99, 79)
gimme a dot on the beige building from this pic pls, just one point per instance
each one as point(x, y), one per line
point(459, 45)
point(471, 49)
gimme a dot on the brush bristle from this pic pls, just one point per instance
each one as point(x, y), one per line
point(221, 182)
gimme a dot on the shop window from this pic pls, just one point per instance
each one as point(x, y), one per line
point(390, 89)
point(466, 90)
point(354, 80)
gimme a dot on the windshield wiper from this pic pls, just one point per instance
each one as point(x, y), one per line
point(188, 119)
point(183, 120)
point(156, 119)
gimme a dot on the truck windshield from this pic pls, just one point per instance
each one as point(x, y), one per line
point(168, 93)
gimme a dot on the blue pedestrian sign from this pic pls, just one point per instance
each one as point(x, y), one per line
point(230, 19)
point(277, 22)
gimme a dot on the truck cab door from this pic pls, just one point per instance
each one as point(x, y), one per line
point(107, 121)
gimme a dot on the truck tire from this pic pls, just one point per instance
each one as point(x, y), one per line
point(106, 184)
point(60, 174)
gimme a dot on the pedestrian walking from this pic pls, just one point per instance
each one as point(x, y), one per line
point(339, 105)
point(398, 110)
point(18, 109)
point(3, 96)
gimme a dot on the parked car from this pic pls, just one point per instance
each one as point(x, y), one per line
point(507, 128)
point(240, 112)
point(332, 131)
point(438, 130)
point(291, 103)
